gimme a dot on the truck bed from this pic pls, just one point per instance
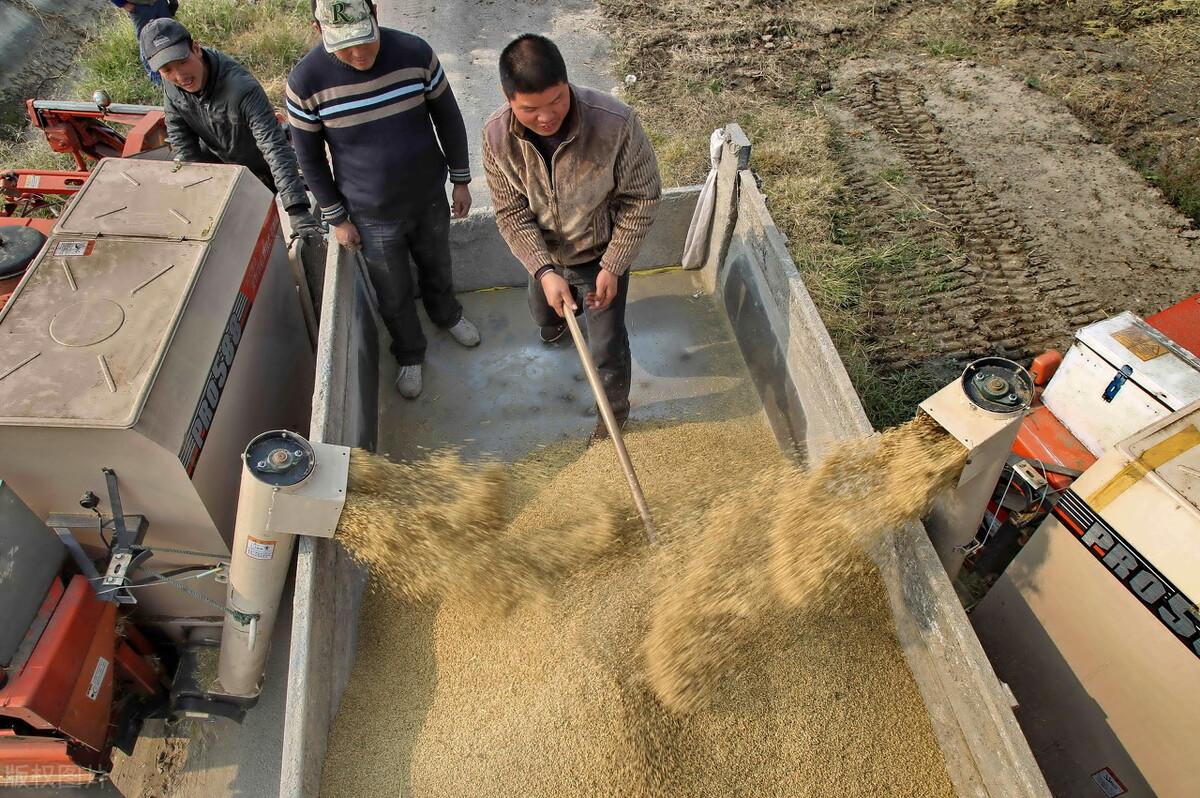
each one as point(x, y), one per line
point(696, 339)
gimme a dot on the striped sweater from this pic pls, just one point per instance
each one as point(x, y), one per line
point(379, 125)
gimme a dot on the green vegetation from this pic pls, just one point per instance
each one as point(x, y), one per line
point(949, 48)
point(1175, 173)
point(891, 397)
point(267, 36)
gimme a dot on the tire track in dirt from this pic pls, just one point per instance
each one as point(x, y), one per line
point(997, 294)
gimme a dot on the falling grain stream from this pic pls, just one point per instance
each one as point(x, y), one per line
point(521, 639)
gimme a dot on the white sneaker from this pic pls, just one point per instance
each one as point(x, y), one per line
point(465, 332)
point(408, 381)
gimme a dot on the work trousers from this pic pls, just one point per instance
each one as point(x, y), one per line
point(422, 237)
point(608, 339)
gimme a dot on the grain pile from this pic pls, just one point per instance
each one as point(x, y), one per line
point(706, 667)
point(436, 529)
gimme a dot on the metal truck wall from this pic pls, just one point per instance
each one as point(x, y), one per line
point(808, 397)
point(329, 585)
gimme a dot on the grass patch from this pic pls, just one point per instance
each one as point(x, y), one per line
point(893, 175)
point(892, 398)
point(267, 37)
point(910, 214)
point(1175, 170)
point(949, 48)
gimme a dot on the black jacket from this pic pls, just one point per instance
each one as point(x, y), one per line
point(232, 119)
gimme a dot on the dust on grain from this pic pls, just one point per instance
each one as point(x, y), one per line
point(436, 529)
point(817, 525)
point(705, 667)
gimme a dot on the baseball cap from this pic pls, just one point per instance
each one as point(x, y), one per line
point(163, 41)
point(345, 23)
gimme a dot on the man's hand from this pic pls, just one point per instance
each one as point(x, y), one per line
point(461, 201)
point(606, 290)
point(557, 291)
point(347, 235)
point(128, 7)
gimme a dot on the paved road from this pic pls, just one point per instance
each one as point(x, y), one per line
point(468, 36)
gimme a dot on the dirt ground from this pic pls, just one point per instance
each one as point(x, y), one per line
point(983, 177)
point(38, 38)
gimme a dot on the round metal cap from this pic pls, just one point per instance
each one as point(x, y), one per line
point(280, 458)
point(998, 385)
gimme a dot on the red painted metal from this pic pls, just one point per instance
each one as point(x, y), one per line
point(1043, 437)
point(66, 689)
point(148, 133)
point(64, 686)
point(32, 761)
point(86, 134)
point(1180, 323)
point(57, 183)
point(144, 676)
point(1043, 367)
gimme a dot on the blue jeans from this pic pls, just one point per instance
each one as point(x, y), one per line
point(141, 16)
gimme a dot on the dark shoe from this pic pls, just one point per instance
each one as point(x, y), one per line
point(553, 333)
point(600, 432)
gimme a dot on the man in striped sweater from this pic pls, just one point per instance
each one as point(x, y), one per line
point(381, 103)
point(574, 185)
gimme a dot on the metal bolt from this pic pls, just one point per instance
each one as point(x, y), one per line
point(979, 375)
point(1012, 397)
point(298, 453)
point(262, 463)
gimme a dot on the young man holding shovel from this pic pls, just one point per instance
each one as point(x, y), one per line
point(574, 185)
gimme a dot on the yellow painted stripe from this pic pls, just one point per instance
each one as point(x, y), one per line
point(658, 270)
point(1157, 455)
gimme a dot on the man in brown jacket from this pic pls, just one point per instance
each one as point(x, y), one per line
point(574, 187)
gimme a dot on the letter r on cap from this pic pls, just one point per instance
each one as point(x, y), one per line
point(339, 14)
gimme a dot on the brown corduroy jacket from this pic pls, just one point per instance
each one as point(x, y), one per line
point(605, 190)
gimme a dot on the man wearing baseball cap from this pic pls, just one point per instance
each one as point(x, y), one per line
point(216, 112)
point(379, 100)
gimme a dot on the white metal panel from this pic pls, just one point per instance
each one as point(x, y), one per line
point(1076, 397)
point(84, 335)
point(1173, 451)
point(315, 505)
point(1162, 368)
point(987, 437)
point(125, 196)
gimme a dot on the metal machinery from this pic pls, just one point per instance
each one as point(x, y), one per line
point(289, 487)
point(85, 132)
point(157, 331)
point(983, 411)
point(1093, 624)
